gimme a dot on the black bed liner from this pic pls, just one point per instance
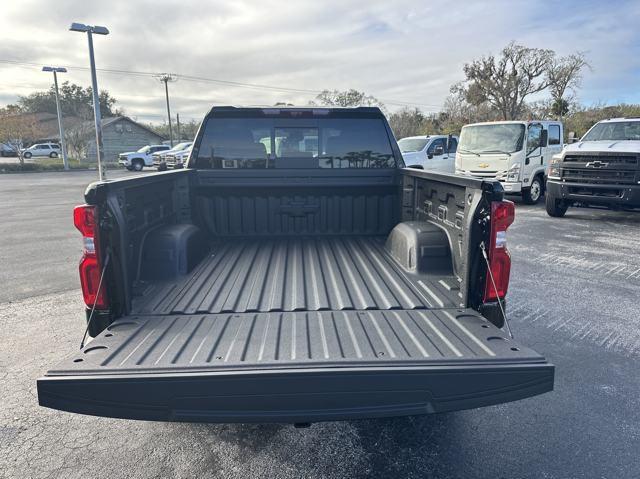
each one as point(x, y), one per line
point(298, 274)
point(295, 367)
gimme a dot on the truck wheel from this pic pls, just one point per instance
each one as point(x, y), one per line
point(532, 194)
point(53, 154)
point(162, 167)
point(137, 164)
point(555, 207)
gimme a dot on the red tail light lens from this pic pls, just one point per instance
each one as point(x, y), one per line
point(85, 218)
point(502, 216)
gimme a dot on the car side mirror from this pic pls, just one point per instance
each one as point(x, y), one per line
point(430, 156)
point(543, 138)
point(439, 150)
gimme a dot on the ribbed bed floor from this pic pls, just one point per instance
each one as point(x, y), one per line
point(298, 274)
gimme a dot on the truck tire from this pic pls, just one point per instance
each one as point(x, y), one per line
point(532, 195)
point(162, 167)
point(53, 154)
point(555, 207)
point(137, 164)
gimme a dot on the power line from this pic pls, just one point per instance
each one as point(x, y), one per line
point(200, 79)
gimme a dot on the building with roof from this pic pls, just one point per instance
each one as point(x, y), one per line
point(119, 134)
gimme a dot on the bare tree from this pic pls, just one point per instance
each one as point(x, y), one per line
point(77, 138)
point(505, 82)
point(346, 98)
point(17, 130)
point(563, 74)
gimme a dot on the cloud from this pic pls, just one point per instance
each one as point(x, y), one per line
point(409, 51)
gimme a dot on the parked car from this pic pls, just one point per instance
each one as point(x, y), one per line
point(321, 282)
point(602, 169)
point(52, 150)
point(7, 150)
point(137, 160)
point(159, 157)
point(430, 152)
point(516, 153)
point(178, 159)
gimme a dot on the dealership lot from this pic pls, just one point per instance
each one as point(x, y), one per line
point(573, 297)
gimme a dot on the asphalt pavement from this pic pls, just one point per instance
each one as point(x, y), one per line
point(574, 297)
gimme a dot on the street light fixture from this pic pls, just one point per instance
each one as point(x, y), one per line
point(90, 30)
point(55, 71)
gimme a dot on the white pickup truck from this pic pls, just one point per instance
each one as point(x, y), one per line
point(137, 160)
point(429, 152)
point(602, 169)
point(516, 153)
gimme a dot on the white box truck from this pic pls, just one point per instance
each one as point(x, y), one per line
point(516, 153)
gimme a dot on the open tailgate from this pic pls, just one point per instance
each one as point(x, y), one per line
point(295, 367)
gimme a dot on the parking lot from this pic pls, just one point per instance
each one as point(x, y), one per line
point(573, 297)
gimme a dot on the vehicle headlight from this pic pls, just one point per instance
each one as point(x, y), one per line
point(514, 173)
point(554, 167)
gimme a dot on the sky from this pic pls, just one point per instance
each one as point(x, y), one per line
point(404, 52)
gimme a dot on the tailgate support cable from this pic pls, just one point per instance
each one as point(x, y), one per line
point(93, 308)
point(493, 282)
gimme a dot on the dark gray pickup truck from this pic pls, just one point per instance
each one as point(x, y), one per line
point(294, 271)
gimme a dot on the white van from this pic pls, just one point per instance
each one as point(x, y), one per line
point(514, 152)
point(429, 152)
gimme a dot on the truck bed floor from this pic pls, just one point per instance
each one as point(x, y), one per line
point(298, 274)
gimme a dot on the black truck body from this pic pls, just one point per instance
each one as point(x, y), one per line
point(257, 285)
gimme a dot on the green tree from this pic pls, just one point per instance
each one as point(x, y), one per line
point(407, 122)
point(74, 100)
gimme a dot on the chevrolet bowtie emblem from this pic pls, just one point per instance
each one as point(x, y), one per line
point(596, 164)
point(483, 165)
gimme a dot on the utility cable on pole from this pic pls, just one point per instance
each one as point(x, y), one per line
point(166, 78)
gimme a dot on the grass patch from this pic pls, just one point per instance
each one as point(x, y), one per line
point(48, 164)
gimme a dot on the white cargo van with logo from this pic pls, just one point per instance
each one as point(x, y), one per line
point(514, 152)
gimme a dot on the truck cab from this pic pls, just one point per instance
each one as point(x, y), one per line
point(429, 152)
point(516, 153)
point(602, 169)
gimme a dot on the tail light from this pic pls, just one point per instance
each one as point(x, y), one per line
point(502, 215)
point(85, 217)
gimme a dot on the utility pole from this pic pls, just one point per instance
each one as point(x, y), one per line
point(90, 30)
point(63, 144)
point(166, 78)
point(178, 126)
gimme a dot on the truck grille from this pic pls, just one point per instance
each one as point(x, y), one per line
point(630, 159)
point(599, 176)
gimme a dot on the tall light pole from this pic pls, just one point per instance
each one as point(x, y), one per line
point(90, 30)
point(63, 144)
point(166, 78)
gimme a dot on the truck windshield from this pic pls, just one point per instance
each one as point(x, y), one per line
point(614, 130)
point(181, 146)
point(504, 138)
point(412, 144)
point(144, 149)
point(294, 143)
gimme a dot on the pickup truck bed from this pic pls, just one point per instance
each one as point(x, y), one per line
point(298, 274)
point(312, 287)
